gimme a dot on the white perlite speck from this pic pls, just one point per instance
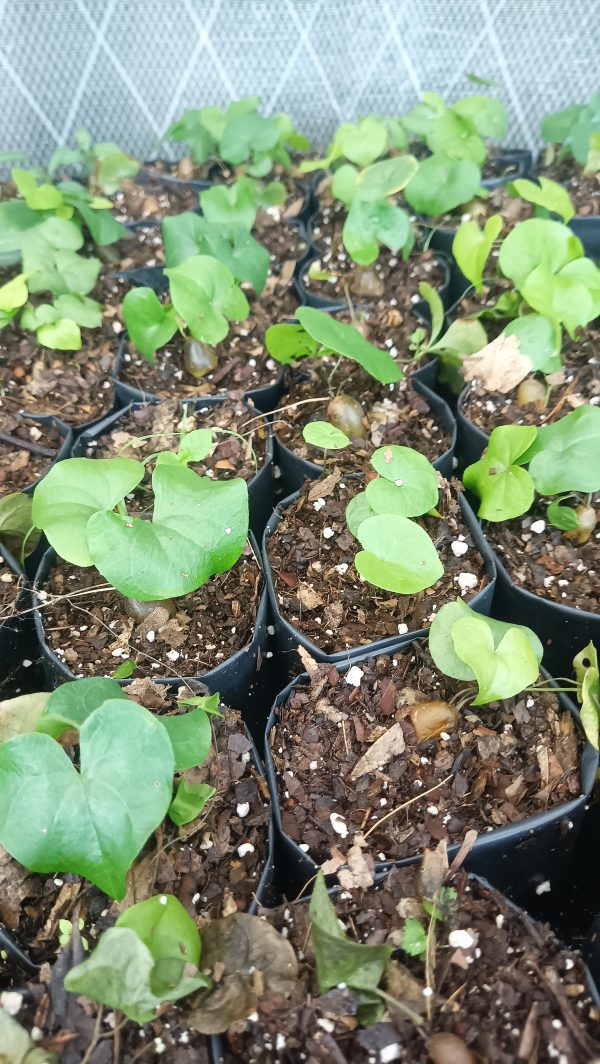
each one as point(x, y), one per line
point(319, 504)
point(461, 939)
point(458, 548)
point(543, 888)
point(538, 526)
point(466, 581)
point(328, 533)
point(338, 824)
point(354, 676)
point(245, 848)
point(243, 808)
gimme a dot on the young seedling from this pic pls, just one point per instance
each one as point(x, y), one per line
point(187, 235)
point(503, 660)
point(198, 528)
point(160, 942)
point(56, 325)
point(103, 166)
point(464, 336)
point(91, 821)
point(575, 131)
point(562, 467)
point(554, 286)
point(397, 555)
point(204, 297)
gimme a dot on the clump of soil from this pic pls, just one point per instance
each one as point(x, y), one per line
point(480, 773)
point(389, 278)
point(311, 553)
point(74, 385)
point(244, 363)
point(26, 450)
point(239, 439)
point(576, 383)
point(584, 189)
point(540, 559)
point(511, 986)
point(88, 629)
point(393, 414)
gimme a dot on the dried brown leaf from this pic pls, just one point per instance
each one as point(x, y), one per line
point(389, 745)
point(499, 366)
point(322, 488)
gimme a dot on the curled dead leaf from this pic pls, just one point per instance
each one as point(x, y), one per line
point(389, 745)
point(499, 366)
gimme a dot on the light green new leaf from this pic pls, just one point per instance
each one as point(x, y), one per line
point(441, 644)
point(407, 484)
point(457, 138)
point(289, 343)
point(539, 339)
point(42, 197)
point(505, 489)
point(338, 959)
point(230, 205)
point(545, 193)
point(502, 671)
point(189, 801)
point(61, 335)
point(343, 184)
point(487, 115)
point(149, 323)
point(327, 437)
point(93, 822)
point(588, 691)
point(205, 294)
point(357, 511)
point(361, 143)
point(169, 932)
point(190, 735)
point(198, 529)
point(537, 242)
point(16, 522)
point(397, 555)
point(72, 491)
point(471, 247)
point(14, 293)
point(80, 309)
point(369, 224)
point(385, 178)
point(436, 308)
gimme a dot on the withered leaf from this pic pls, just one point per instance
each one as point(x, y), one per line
point(383, 750)
point(499, 366)
point(322, 488)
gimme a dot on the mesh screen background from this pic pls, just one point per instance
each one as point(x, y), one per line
point(126, 68)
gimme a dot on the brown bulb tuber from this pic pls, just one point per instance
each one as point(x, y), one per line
point(138, 610)
point(446, 1048)
point(346, 414)
point(587, 518)
point(532, 392)
point(430, 719)
point(198, 359)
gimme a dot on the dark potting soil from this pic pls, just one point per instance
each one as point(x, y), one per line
point(491, 766)
point(74, 385)
point(584, 189)
point(143, 247)
point(199, 863)
point(10, 586)
point(384, 326)
point(393, 414)
point(21, 466)
point(243, 363)
point(509, 992)
point(152, 199)
point(239, 440)
point(576, 383)
point(92, 634)
point(540, 559)
point(318, 589)
point(389, 278)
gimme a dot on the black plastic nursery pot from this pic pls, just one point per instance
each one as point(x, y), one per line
point(472, 441)
point(260, 487)
point(18, 642)
point(295, 470)
point(525, 860)
point(289, 638)
point(588, 231)
point(236, 678)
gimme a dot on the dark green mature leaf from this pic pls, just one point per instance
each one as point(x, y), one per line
point(338, 959)
point(149, 323)
point(564, 455)
point(346, 340)
point(397, 555)
point(102, 227)
point(505, 489)
point(72, 703)
point(80, 309)
point(441, 184)
point(247, 133)
point(72, 491)
point(289, 343)
point(190, 735)
point(189, 234)
point(199, 529)
point(93, 822)
point(189, 801)
point(441, 644)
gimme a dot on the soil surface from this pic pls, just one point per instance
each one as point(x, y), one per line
point(385, 326)
point(199, 863)
point(243, 361)
point(540, 558)
point(21, 466)
point(389, 278)
point(480, 774)
point(393, 414)
point(311, 553)
point(584, 189)
point(10, 586)
point(576, 383)
point(513, 987)
point(231, 455)
point(153, 198)
point(74, 385)
point(92, 634)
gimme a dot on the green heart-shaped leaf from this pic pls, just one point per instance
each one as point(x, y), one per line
point(93, 822)
point(72, 491)
point(398, 555)
point(199, 528)
point(72, 703)
point(502, 671)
